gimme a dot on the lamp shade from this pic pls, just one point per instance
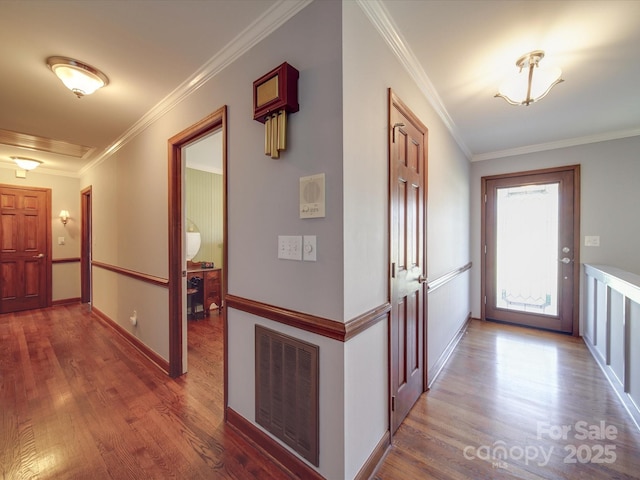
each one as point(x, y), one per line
point(26, 163)
point(78, 77)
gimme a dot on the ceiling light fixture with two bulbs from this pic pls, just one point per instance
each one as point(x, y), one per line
point(532, 82)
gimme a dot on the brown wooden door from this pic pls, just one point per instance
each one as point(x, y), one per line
point(408, 137)
point(24, 248)
point(531, 234)
point(85, 245)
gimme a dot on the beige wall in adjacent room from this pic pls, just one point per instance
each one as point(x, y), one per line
point(65, 195)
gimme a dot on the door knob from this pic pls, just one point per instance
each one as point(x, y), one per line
point(422, 279)
point(40, 255)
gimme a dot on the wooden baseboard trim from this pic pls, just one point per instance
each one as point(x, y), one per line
point(375, 459)
point(433, 373)
point(133, 341)
point(66, 301)
point(271, 447)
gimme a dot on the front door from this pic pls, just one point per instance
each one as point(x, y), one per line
point(25, 260)
point(407, 185)
point(531, 248)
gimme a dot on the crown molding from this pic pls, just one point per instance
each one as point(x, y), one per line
point(271, 20)
point(379, 16)
point(40, 170)
point(569, 142)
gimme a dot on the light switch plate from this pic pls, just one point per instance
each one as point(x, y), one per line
point(290, 247)
point(309, 253)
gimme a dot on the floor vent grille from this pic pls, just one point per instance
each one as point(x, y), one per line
point(287, 391)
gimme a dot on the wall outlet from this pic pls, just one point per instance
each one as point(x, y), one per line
point(591, 241)
point(134, 318)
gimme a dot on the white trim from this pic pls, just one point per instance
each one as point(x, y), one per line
point(272, 19)
point(569, 142)
point(379, 16)
point(41, 171)
point(382, 21)
point(626, 283)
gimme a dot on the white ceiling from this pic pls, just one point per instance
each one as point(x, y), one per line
point(458, 51)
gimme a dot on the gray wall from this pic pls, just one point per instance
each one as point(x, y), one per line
point(341, 131)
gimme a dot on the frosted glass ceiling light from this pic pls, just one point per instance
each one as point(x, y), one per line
point(532, 82)
point(78, 77)
point(26, 163)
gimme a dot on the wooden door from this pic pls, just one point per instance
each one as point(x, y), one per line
point(407, 185)
point(531, 242)
point(85, 245)
point(25, 249)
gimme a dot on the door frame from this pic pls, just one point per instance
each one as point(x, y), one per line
point(214, 121)
point(48, 268)
point(86, 282)
point(575, 169)
point(395, 102)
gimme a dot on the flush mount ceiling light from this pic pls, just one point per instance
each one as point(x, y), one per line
point(26, 163)
point(80, 78)
point(532, 82)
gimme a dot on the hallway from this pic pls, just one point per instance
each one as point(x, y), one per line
point(77, 402)
point(514, 402)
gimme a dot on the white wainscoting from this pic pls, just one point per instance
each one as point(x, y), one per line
point(612, 329)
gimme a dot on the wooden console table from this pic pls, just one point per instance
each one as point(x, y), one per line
point(211, 286)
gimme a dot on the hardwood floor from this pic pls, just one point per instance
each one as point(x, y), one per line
point(77, 402)
point(507, 392)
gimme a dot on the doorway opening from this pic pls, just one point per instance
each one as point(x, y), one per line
point(531, 241)
point(178, 228)
point(85, 246)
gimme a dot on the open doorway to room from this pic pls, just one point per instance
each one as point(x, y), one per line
point(197, 242)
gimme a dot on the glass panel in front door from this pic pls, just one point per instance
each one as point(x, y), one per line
point(527, 246)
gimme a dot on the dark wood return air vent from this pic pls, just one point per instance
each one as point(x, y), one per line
point(287, 391)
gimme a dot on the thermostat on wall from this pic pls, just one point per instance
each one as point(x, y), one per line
point(312, 196)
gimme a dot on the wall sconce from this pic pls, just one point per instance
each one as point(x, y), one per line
point(532, 82)
point(64, 216)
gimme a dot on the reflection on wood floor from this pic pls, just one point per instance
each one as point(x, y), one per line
point(76, 402)
point(516, 403)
